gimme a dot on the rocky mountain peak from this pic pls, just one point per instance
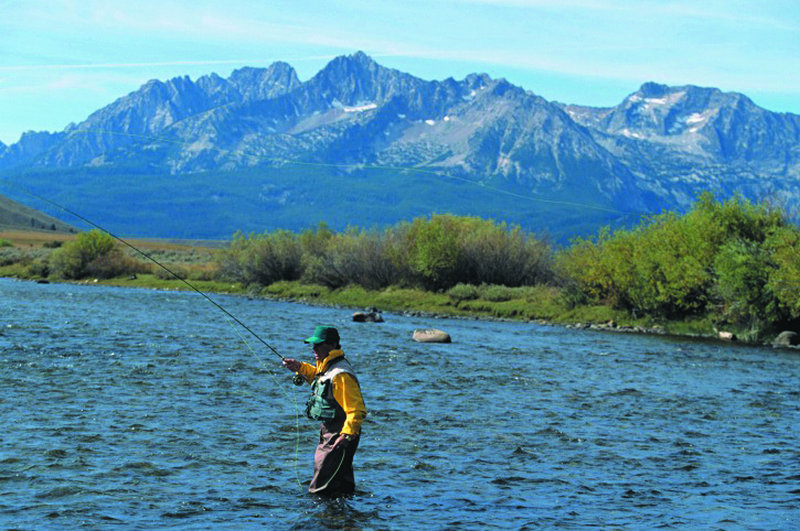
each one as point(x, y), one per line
point(348, 66)
point(359, 57)
point(263, 83)
point(356, 79)
point(477, 81)
point(651, 89)
point(661, 143)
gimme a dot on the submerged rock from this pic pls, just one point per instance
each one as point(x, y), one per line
point(370, 316)
point(430, 335)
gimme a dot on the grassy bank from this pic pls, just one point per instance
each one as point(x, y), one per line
point(197, 264)
point(541, 304)
point(729, 266)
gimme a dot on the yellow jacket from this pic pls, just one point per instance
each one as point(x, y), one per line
point(345, 391)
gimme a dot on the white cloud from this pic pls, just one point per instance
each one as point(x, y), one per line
point(741, 11)
point(90, 66)
point(62, 48)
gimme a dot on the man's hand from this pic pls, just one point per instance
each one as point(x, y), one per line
point(292, 365)
point(343, 441)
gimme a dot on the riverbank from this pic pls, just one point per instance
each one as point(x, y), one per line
point(540, 304)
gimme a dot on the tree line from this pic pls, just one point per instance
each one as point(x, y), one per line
point(733, 261)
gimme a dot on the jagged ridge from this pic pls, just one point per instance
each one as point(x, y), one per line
point(655, 150)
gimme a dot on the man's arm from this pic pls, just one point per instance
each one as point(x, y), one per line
point(348, 394)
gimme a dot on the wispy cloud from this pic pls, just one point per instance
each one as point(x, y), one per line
point(739, 12)
point(60, 86)
point(85, 52)
point(13, 68)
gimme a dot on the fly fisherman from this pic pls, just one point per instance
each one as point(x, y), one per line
point(336, 401)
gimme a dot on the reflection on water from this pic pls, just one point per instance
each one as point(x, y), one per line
point(142, 408)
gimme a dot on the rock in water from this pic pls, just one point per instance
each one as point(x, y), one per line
point(430, 335)
point(787, 339)
point(373, 316)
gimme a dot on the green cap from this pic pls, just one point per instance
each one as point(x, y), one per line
point(324, 334)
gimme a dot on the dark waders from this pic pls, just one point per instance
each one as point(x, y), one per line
point(333, 469)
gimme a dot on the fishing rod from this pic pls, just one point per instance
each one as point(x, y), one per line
point(297, 378)
point(159, 264)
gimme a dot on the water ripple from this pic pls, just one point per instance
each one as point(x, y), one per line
point(144, 409)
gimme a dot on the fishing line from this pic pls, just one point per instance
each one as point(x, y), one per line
point(283, 161)
point(230, 317)
point(147, 256)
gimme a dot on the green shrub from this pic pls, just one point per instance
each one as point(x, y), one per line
point(742, 270)
point(435, 253)
point(162, 274)
point(11, 255)
point(5, 243)
point(314, 242)
point(495, 293)
point(784, 277)
point(203, 273)
point(463, 292)
point(712, 259)
point(262, 258)
point(39, 268)
point(92, 254)
point(444, 250)
point(354, 257)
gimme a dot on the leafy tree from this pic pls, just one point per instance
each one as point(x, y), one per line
point(713, 259)
point(355, 257)
point(742, 268)
point(444, 250)
point(433, 252)
point(784, 276)
point(262, 258)
point(94, 253)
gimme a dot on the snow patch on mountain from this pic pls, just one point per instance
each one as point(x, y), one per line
point(361, 108)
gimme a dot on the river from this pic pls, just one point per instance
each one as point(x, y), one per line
point(140, 409)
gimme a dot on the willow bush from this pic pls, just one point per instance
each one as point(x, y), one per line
point(262, 258)
point(435, 253)
point(444, 250)
point(92, 254)
point(463, 292)
point(354, 257)
point(734, 261)
point(784, 275)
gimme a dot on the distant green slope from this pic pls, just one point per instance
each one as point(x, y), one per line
point(15, 216)
point(216, 204)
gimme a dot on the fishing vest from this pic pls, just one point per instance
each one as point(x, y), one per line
point(322, 405)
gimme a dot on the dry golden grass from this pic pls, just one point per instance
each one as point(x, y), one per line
point(34, 238)
point(39, 238)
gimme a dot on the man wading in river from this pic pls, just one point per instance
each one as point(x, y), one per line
point(336, 401)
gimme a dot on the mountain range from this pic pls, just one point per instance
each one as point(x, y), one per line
point(362, 144)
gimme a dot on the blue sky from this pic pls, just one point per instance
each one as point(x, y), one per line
point(62, 59)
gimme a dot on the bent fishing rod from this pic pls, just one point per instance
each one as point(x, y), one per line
point(159, 264)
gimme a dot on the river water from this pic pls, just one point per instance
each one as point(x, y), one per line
point(138, 409)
